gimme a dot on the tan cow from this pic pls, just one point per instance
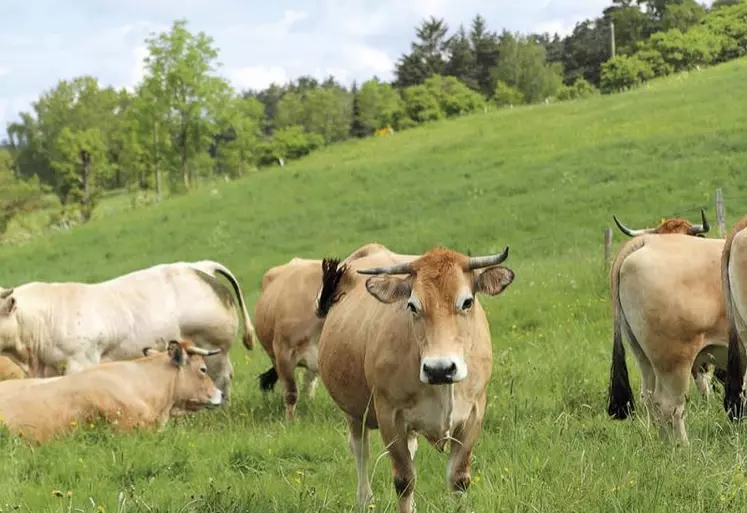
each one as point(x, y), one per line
point(667, 299)
point(287, 326)
point(410, 355)
point(129, 394)
point(10, 370)
point(71, 326)
point(702, 371)
point(734, 282)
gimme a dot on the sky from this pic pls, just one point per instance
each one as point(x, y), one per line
point(260, 42)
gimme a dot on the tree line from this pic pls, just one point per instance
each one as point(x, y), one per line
point(184, 123)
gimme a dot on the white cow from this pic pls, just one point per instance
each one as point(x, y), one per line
point(70, 326)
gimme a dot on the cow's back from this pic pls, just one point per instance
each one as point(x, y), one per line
point(673, 282)
point(286, 303)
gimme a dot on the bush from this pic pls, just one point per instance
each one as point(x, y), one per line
point(581, 88)
point(624, 72)
point(506, 94)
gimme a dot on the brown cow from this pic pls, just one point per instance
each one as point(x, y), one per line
point(10, 370)
point(410, 355)
point(702, 370)
point(126, 394)
point(287, 326)
point(667, 299)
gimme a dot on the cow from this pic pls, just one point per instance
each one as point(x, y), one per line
point(129, 394)
point(702, 371)
point(70, 326)
point(409, 355)
point(666, 297)
point(734, 283)
point(287, 326)
point(10, 370)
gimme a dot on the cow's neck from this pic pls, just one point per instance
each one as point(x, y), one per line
point(161, 397)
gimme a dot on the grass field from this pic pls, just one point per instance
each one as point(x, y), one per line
point(543, 180)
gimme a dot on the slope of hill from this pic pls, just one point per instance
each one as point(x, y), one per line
point(543, 180)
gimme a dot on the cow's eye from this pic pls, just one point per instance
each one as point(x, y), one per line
point(411, 306)
point(467, 303)
point(203, 369)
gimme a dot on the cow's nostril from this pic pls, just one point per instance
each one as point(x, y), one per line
point(452, 369)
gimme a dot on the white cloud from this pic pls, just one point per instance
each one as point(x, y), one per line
point(257, 77)
point(4, 71)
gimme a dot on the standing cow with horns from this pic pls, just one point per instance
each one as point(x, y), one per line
point(704, 368)
point(406, 349)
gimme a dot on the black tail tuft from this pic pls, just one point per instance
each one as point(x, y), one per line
point(268, 379)
point(720, 375)
point(331, 276)
point(621, 404)
point(733, 382)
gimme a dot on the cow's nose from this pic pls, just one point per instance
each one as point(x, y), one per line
point(442, 370)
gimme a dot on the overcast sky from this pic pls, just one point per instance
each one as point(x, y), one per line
point(42, 41)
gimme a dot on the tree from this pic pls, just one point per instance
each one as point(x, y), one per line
point(462, 62)
point(380, 106)
point(16, 195)
point(427, 55)
point(181, 87)
point(236, 147)
point(485, 46)
point(681, 16)
point(523, 65)
point(357, 127)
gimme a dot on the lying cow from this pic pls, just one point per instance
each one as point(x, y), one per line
point(704, 366)
point(71, 326)
point(10, 370)
point(130, 394)
point(287, 325)
point(406, 349)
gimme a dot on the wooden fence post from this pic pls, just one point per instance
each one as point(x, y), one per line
point(607, 245)
point(720, 213)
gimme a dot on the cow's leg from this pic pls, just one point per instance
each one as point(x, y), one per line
point(310, 383)
point(395, 439)
point(702, 377)
point(412, 444)
point(286, 367)
point(648, 376)
point(358, 440)
point(458, 469)
point(669, 400)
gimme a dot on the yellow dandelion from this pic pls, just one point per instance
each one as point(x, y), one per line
point(100, 509)
point(56, 493)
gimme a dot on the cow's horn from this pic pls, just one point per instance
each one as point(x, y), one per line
point(201, 351)
point(487, 261)
point(701, 228)
point(627, 231)
point(6, 293)
point(405, 268)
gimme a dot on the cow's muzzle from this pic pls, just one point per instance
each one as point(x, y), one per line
point(441, 370)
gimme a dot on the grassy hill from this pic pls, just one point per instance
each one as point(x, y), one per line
point(544, 180)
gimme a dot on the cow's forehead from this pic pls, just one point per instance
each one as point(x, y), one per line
point(439, 274)
point(674, 226)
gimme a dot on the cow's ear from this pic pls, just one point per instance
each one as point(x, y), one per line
point(493, 280)
point(178, 358)
point(7, 306)
point(389, 289)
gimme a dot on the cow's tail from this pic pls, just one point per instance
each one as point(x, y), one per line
point(268, 379)
point(216, 267)
point(734, 365)
point(620, 404)
point(332, 274)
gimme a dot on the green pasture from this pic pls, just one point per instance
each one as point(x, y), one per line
point(543, 180)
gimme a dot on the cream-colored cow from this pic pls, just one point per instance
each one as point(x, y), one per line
point(71, 326)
